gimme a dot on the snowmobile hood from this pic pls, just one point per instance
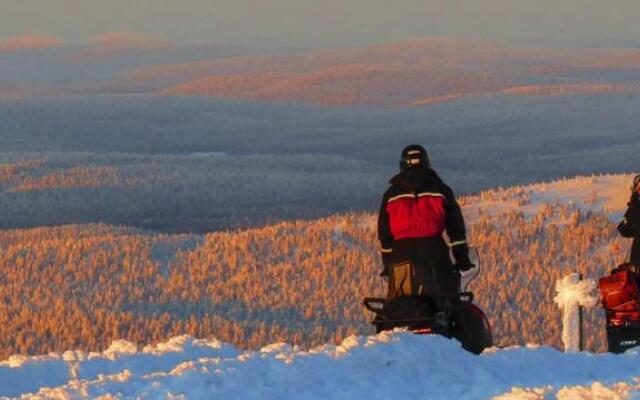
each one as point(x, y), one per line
point(416, 179)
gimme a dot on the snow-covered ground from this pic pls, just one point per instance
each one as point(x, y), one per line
point(601, 193)
point(395, 365)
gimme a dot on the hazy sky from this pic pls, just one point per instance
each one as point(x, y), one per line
point(308, 23)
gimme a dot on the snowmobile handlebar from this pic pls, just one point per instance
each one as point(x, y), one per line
point(467, 297)
point(370, 301)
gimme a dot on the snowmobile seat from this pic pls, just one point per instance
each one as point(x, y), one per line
point(621, 301)
point(416, 300)
point(620, 294)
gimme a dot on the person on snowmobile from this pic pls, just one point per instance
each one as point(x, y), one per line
point(630, 225)
point(416, 210)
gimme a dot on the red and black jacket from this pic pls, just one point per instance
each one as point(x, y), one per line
point(416, 210)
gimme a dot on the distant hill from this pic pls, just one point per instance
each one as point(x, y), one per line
point(298, 281)
point(40, 65)
point(119, 45)
point(29, 42)
point(185, 164)
point(418, 73)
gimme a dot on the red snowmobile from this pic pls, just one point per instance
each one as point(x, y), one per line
point(453, 318)
point(621, 302)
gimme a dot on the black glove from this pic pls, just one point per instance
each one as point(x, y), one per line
point(386, 260)
point(465, 265)
point(625, 229)
point(384, 274)
point(461, 254)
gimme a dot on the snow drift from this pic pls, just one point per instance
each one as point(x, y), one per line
point(389, 365)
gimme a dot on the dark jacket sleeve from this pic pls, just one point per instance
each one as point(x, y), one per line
point(625, 229)
point(456, 229)
point(384, 231)
point(628, 227)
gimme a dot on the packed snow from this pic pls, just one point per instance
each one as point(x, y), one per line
point(390, 365)
point(602, 193)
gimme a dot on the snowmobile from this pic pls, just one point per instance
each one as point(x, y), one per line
point(620, 298)
point(457, 318)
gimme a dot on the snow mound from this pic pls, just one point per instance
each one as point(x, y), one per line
point(389, 365)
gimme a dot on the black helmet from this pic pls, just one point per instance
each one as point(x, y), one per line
point(414, 155)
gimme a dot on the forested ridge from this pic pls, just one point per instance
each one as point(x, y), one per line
point(82, 286)
point(197, 165)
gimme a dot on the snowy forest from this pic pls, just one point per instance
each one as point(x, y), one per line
point(301, 282)
point(201, 165)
